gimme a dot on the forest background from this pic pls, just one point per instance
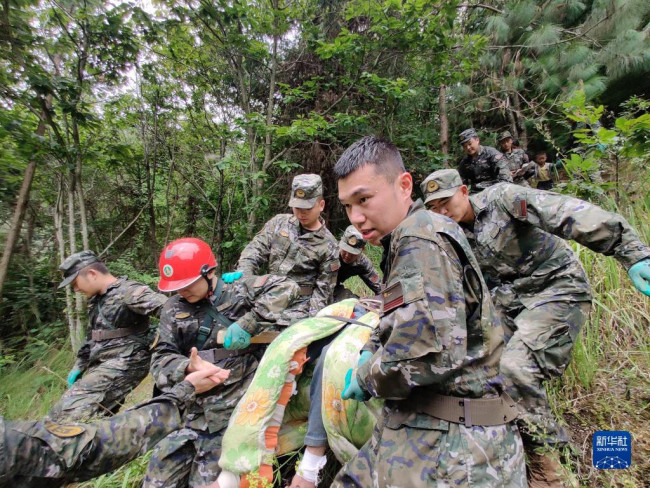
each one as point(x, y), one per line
point(126, 125)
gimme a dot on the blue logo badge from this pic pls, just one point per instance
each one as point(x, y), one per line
point(612, 449)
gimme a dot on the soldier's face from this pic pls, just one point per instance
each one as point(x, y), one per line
point(375, 206)
point(348, 257)
point(86, 283)
point(471, 147)
point(506, 144)
point(540, 159)
point(197, 290)
point(456, 207)
point(308, 217)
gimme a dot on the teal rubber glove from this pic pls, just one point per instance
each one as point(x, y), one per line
point(352, 389)
point(640, 276)
point(365, 356)
point(73, 376)
point(236, 337)
point(231, 277)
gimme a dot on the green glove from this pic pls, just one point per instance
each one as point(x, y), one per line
point(365, 356)
point(236, 337)
point(73, 376)
point(640, 276)
point(231, 277)
point(352, 389)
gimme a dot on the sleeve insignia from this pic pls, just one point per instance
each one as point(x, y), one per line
point(181, 315)
point(284, 233)
point(335, 267)
point(64, 430)
point(520, 209)
point(432, 186)
point(260, 280)
point(393, 297)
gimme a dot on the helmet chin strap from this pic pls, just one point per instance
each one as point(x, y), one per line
point(204, 272)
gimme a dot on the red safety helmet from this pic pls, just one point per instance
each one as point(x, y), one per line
point(184, 261)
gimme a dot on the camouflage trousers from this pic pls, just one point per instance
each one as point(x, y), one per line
point(539, 349)
point(423, 451)
point(104, 385)
point(50, 454)
point(185, 458)
point(341, 293)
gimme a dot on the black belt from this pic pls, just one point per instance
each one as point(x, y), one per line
point(219, 354)
point(104, 335)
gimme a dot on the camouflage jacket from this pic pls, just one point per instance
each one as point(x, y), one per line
point(364, 269)
point(442, 335)
point(255, 303)
point(489, 168)
point(44, 453)
point(518, 235)
point(311, 259)
point(515, 159)
point(126, 303)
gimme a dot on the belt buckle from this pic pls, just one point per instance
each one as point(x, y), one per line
point(467, 412)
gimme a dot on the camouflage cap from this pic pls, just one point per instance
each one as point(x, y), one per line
point(352, 241)
point(75, 263)
point(305, 189)
point(441, 184)
point(466, 135)
point(504, 135)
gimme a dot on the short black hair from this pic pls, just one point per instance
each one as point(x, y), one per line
point(539, 153)
point(97, 266)
point(370, 150)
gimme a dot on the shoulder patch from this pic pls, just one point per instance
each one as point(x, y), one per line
point(260, 280)
point(64, 430)
point(392, 297)
point(181, 315)
point(284, 233)
point(498, 156)
point(139, 291)
point(520, 209)
point(335, 266)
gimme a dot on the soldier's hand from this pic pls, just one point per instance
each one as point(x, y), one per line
point(207, 378)
point(196, 362)
point(236, 337)
point(73, 376)
point(231, 277)
point(640, 275)
point(352, 389)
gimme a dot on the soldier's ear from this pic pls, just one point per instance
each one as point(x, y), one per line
point(464, 190)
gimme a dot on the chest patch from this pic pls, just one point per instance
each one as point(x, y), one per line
point(64, 430)
point(284, 233)
point(181, 315)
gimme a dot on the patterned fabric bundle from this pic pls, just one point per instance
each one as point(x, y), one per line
point(254, 437)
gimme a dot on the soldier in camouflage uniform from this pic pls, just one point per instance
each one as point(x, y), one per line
point(483, 166)
point(353, 262)
point(49, 454)
point(191, 319)
point(115, 357)
point(298, 246)
point(543, 293)
point(434, 356)
point(515, 159)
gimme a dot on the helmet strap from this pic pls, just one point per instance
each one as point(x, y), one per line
point(205, 270)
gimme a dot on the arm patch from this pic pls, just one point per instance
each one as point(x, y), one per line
point(392, 297)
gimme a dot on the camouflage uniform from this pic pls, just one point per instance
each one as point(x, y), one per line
point(515, 159)
point(438, 337)
point(111, 368)
point(48, 454)
point(283, 247)
point(354, 243)
point(489, 168)
point(189, 456)
point(542, 291)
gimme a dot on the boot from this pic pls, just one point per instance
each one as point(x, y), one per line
point(545, 471)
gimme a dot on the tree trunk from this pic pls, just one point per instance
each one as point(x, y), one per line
point(19, 210)
point(523, 133)
point(444, 122)
point(78, 187)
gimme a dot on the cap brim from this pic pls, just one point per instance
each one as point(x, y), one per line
point(302, 203)
point(68, 280)
point(442, 194)
point(352, 250)
point(171, 286)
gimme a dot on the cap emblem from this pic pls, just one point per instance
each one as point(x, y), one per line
point(352, 241)
point(432, 186)
point(300, 193)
